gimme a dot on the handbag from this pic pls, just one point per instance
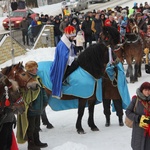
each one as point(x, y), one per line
point(129, 122)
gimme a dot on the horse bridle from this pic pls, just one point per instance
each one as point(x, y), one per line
point(24, 82)
point(5, 99)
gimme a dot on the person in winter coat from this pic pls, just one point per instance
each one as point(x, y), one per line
point(86, 27)
point(64, 24)
point(28, 124)
point(96, 26)
point(14, 5)
point(64, 62)
point(24, 25)
point(75, 23)
point(79, 41)
point(139, 112)
point(141, 23)
point(57, 32)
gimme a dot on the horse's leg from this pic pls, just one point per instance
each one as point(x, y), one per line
point(81, 107)
point(91, 104)
point(136, 69)
point(130, 69)
point(127, 72)
point(139, 70)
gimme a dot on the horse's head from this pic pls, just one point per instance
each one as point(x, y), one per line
point(110, 36)
point(10, 97)
point(94, 59)
point(18, 73)
point(132, 26)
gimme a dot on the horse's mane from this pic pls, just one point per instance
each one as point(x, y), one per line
point(93, 59)
point(7, 69)
point(113, 32)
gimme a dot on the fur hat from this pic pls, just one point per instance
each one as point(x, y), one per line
point(70, 31)
point(30, 65)
point(145, 85)
point(138, 14)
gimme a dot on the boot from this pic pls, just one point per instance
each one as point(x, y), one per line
point(121, 121)
point(48, 125)
point(38, 142)
point(32, 146)
point(107, 121)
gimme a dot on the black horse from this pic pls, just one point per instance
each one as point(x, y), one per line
point(93, 61)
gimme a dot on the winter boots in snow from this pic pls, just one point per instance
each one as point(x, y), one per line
point(38, 142)
point(32, 146)
point(121, 121)
point(107, 121)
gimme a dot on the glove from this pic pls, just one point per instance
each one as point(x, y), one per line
point(146, 121)
point(142, 124)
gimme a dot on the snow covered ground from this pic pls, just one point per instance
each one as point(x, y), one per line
point(64, 135)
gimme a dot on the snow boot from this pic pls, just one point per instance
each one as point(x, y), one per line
point(107, 121)
point(32, 146)
point(121, 121)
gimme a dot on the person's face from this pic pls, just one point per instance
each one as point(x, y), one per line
point(146, 92)
point(71, 38)
point(34, 71)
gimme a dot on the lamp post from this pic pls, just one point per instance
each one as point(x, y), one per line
point(11, 39)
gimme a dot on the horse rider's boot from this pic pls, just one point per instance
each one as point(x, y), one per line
point(107, 121)
point(32, 146)
point(121, 121)
point(38, 142)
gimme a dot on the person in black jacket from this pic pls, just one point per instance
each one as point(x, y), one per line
point(24, 27)
point(86, 27)
point(57, 32)
point(14, 5)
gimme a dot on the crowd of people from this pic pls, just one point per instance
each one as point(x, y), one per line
point(91, 23)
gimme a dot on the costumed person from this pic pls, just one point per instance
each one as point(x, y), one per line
point(64, 63)
point(28, 123)
point(139, 112)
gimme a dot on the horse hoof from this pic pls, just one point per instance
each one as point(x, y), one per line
point(95, 129)
point(81, 132)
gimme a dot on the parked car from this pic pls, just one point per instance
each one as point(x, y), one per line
point(16, 17)
point(76, 5)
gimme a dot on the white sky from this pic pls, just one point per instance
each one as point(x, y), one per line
point(64, 135)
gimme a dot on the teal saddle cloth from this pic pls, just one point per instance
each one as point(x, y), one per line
point(81, 84)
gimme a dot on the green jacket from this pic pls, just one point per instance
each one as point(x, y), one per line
point(35, 101)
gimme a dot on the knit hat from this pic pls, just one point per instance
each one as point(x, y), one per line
point(30, 65)
point(145, 85)
point(70, 31)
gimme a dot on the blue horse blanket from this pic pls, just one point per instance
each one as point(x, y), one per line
point(81, 84)
point(121, 83)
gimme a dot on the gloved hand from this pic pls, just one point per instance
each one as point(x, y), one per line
point(146, 121)
point(142, 124)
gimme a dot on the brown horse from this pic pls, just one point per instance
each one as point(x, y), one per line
point(10, 97)
point(131, 49)
point(16, 72)
point(11, 102)
point(93, 61)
